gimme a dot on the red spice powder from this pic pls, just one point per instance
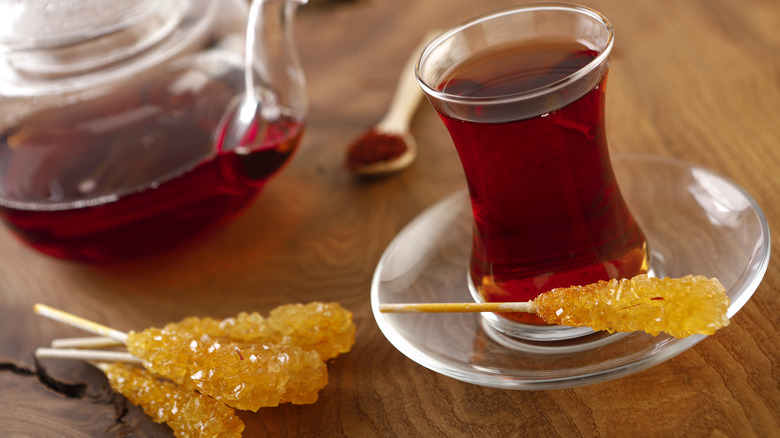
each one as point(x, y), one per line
point(373, 147)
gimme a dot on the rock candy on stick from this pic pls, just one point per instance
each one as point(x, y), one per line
point(188, 413)
point(679, 307)
point(242, 375)
point(326, 328)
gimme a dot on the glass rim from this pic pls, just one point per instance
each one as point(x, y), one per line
point(603, 55)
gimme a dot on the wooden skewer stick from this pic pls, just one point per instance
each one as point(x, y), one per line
point(87, 355)
point(85, 342)
point(528, 307)
point(79, 322)
point(102, 366)
point(64, 350)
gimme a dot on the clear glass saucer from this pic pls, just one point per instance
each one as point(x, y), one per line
point(695, 221)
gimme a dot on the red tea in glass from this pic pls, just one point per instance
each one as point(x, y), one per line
point(525, 111)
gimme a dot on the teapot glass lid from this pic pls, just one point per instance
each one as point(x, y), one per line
point(64, 45)
point(47, 23)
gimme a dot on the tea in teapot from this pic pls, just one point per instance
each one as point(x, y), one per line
point(117, 135)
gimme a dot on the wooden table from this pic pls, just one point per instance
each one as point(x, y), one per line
point(697, 80)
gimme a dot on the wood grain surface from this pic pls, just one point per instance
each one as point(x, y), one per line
point(697, 80)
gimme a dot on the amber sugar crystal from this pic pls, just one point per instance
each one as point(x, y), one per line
point(326, 328)
point(242, 375)
point(249, 361)
point(188, 413)
point(679, 307)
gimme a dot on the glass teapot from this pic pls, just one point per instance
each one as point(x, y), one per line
point(127, 126)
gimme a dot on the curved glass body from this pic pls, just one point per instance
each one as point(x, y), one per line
point(522, 94)
point(111, 122)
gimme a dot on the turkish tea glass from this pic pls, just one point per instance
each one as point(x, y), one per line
point(522, 94)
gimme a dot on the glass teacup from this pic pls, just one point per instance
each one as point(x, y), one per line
point(522, 93)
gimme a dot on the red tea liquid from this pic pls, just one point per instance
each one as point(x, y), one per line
point(547, 209)
point(129, 173)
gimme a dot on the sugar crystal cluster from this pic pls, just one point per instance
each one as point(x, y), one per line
point(245, 362)
point(679, 307)
point(243, 375)
point(326, 328)
point(188, 413)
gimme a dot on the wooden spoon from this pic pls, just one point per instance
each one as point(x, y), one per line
point(389, 146)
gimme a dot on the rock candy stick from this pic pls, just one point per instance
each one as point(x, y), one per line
point(679, 307)
point(245, 376)
point(326, 328)
point(242, 375)
point(188, 413)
